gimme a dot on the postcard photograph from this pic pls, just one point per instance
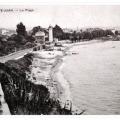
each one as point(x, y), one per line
point(59, 59)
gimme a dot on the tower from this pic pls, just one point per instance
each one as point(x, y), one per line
point(50, 34)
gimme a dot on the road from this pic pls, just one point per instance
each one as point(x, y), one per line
point(14, 55)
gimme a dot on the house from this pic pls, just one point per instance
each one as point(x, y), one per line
point(40, 37)
point(44, 38)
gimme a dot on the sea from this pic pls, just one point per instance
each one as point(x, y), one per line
point(93, 75)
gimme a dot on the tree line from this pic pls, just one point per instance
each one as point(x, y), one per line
point(21, 40)
point(82, 35)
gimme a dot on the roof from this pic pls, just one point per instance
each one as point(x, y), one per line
point(40, 33)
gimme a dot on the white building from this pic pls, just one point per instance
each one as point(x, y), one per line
point(50, 34)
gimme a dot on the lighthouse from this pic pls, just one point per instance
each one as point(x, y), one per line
point(50, 34)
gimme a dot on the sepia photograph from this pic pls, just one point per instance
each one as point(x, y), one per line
point(59, 59)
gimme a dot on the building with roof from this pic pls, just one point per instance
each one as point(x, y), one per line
point(40, 37)
point(44, 38)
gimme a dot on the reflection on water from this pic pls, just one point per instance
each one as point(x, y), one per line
point(94, 77)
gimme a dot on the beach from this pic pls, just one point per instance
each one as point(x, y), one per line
point(42, 69)
point(47, 68)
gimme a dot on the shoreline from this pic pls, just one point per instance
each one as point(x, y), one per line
point(63, 89)
point(56, 71)
point(98, 55)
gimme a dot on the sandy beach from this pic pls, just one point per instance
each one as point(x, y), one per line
point(42, 70)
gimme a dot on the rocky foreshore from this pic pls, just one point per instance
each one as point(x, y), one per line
point(26, 93)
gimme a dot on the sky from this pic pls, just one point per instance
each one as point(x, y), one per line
point(76, 16)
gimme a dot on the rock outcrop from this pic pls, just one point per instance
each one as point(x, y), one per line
point(23, 96)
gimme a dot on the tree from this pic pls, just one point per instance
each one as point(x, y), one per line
point(30, 38)
point(28, 45)
point(21, 30)
point(36, 29)
point(58, 32)
point(109, 32)
point(116, 32)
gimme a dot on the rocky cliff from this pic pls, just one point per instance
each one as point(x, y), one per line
point(23, 96)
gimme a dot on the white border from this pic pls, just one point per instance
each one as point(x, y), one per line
point(60, 117)
point(60, 2)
